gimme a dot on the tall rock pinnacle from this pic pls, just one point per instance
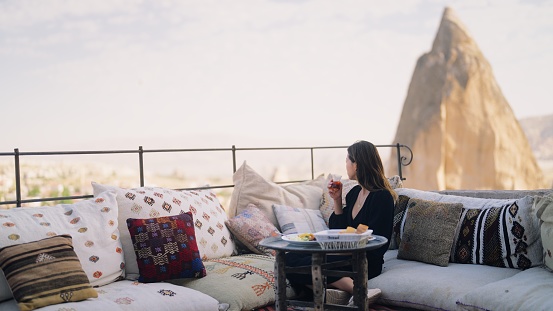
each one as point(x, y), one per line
point(463, 133)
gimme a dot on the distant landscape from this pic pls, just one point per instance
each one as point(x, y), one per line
point(54, 178)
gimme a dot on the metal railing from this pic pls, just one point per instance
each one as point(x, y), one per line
point(402, 160)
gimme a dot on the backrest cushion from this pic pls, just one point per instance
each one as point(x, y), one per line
point(251, 187)
point(298, 220)
point(213, 238)
point(166, 248)
point(428, 231)
point(92, 224)
point(544, 211)
point(504, 236)
point(45, 272)
point(250, 227)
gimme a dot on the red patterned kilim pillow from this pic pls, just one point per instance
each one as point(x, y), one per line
point(166, 248)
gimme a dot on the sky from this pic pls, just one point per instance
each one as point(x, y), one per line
point(99, 74)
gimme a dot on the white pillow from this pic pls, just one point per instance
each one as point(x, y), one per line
point(212, 236)
point(298, 220)
point(91, 223)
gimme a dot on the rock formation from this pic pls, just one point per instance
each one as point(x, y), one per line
point(462, 131)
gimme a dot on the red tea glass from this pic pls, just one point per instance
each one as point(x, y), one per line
point(336, 183)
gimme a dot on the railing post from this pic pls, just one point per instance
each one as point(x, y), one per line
point(312, 165)
point(398, 147)
point(233, 159)
point(17, 177)
point(141, 164)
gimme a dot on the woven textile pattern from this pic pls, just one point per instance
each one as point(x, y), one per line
point(429, 229)
point(500, 236)
point(45, 272)
point(245, 282)
point(166, 248)
point(92, 224)
point(213, 238)
point(250, 227)
point(399, 213)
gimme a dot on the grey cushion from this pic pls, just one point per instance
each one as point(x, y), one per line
point(422, 286)
point(528, 290)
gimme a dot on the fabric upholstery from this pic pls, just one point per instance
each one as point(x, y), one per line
point(422, 286)
point(251, 187)
point(505, 236)
point(126, 295)
point(166, 248)
point(45, 272)
point(92, 223)
point(528, 290)
point(298, 220)
point(468, 202)
point(250, 227)
point(428, 231)
point(399, 212)
point(544, 211)
point(213, 238)
point(245, 282)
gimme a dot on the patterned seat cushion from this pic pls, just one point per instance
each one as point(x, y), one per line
point(245, 282)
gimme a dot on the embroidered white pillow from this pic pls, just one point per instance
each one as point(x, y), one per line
point(91, 223)
point(298, 220)
point(212, 236)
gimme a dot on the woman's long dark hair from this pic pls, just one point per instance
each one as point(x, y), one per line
point(370, 171)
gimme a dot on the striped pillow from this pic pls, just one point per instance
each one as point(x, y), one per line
point(45, 272)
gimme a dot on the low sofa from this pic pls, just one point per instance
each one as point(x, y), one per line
point(496, 251)
point(213, 261)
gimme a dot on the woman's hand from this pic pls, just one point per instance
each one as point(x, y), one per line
point(335, 190)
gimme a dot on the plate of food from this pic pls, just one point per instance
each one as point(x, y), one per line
point(300, 239)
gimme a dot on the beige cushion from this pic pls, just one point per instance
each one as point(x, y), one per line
point(250, 187)
point(428, 231)
point(213, 238)
point(250, 227)
point(45, 272)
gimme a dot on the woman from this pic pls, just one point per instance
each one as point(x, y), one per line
point(371, 203)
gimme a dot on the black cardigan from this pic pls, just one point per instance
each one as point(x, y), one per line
point(377, 213)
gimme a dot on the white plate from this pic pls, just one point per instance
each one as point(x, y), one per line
point(290, 239)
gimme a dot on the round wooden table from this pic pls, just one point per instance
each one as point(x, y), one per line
point(319, 268)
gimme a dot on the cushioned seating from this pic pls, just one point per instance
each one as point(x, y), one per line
point(129, 295)
point(430, 287)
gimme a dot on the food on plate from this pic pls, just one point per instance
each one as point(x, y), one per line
point(348, 230)
point(304, 237)
point(360, 229)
